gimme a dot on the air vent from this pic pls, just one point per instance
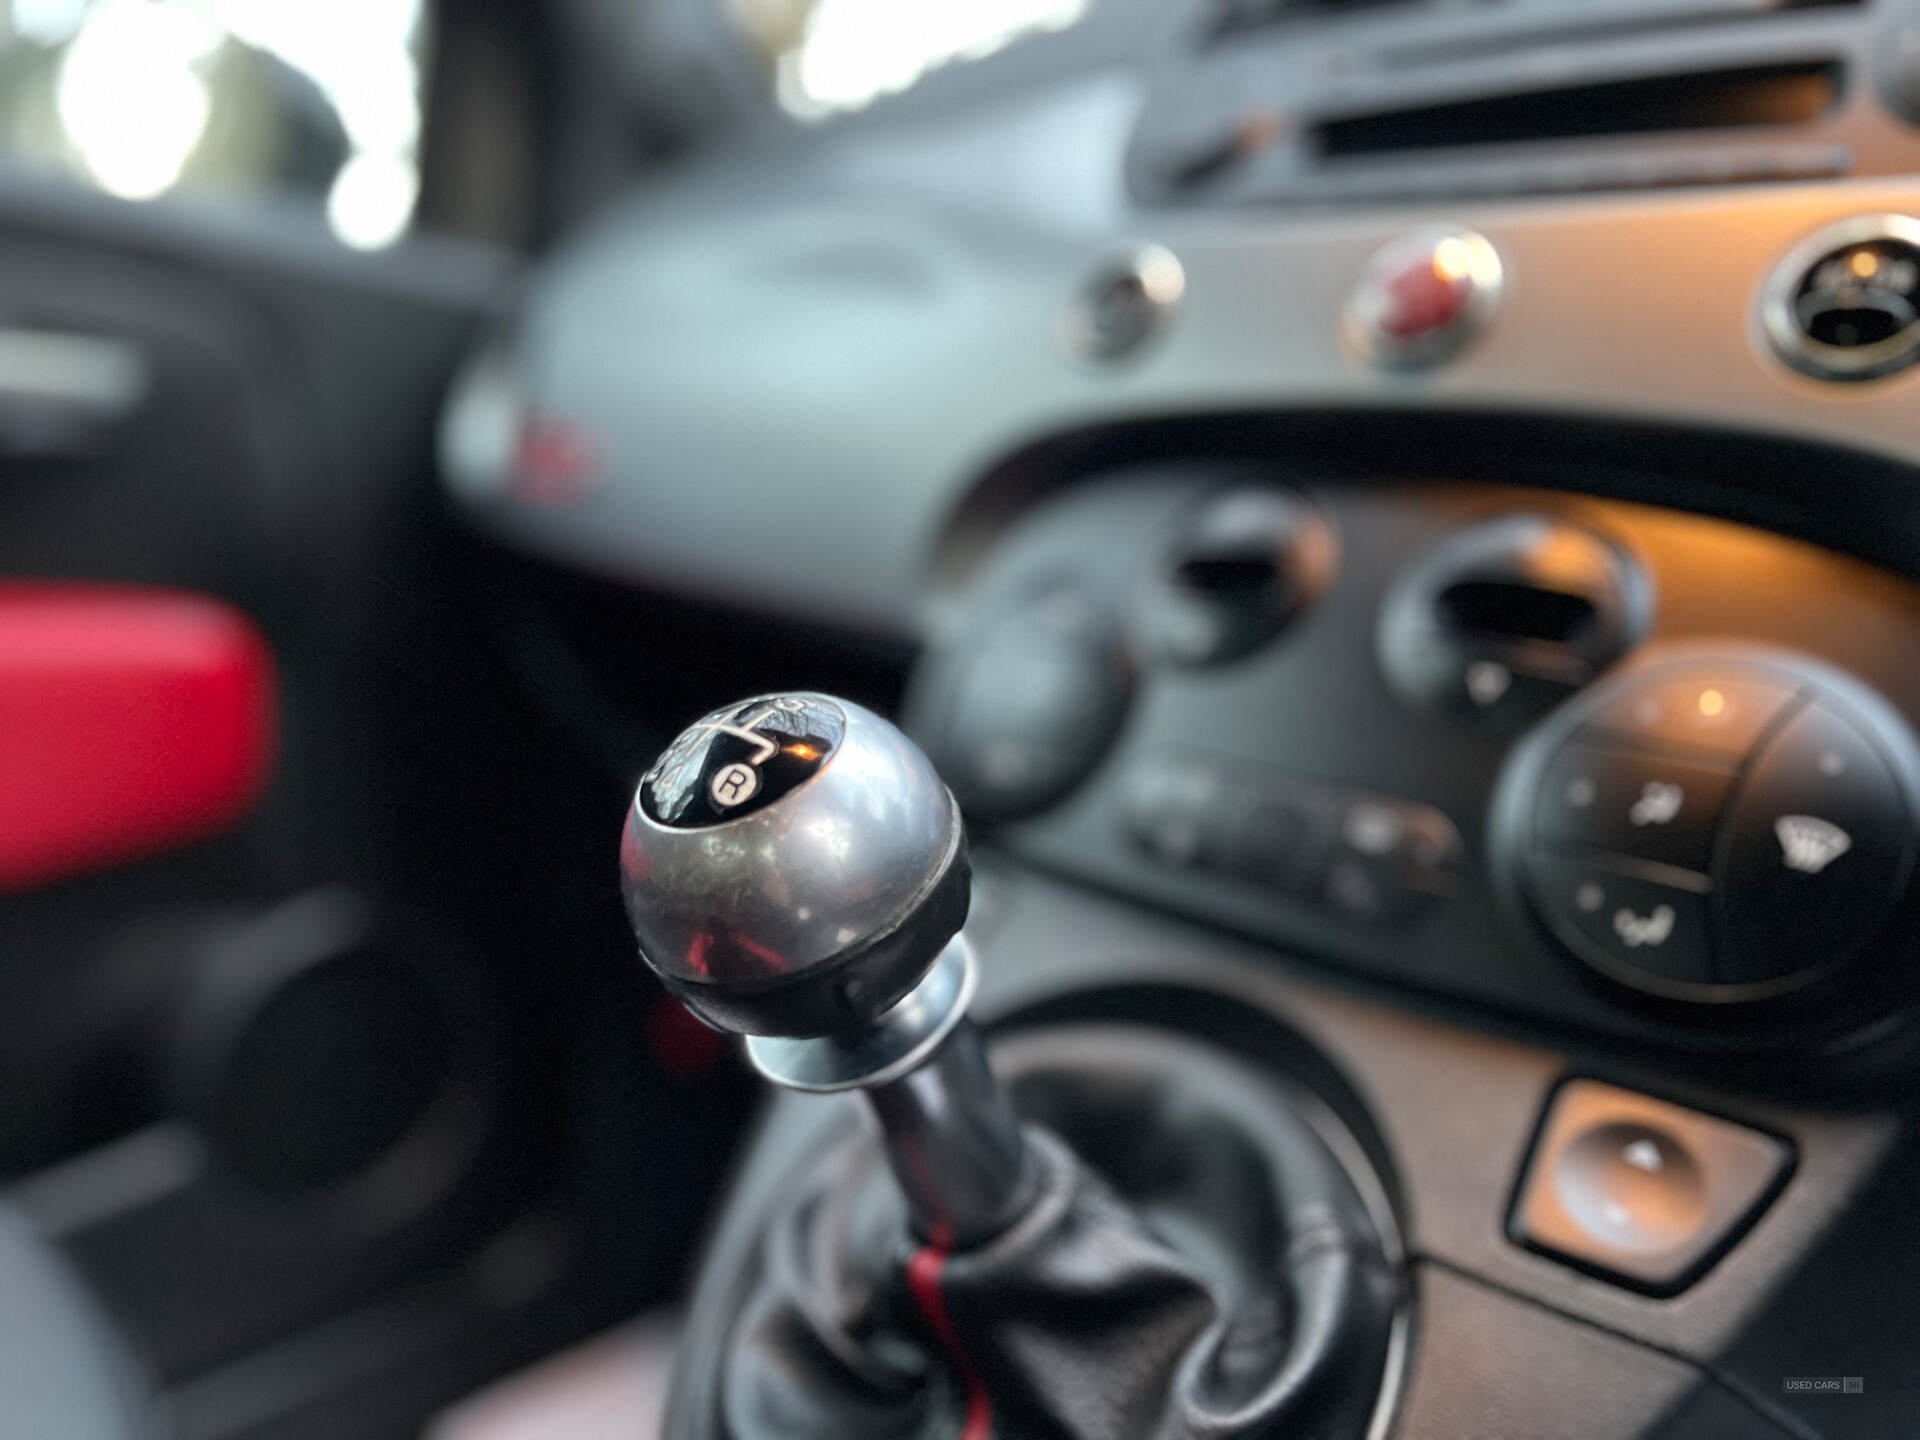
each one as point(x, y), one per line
point(1357, 102)
point(1499, 621)
point(1515, 612)
point(1714, 100)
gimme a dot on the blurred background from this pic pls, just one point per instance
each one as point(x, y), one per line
point(234, 100)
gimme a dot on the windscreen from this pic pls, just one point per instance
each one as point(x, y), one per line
point(246, 101)
point(830, 56)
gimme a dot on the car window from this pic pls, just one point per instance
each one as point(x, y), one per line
point(243, 99)
point(830, 56)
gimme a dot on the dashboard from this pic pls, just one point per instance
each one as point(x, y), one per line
point(1352, 785)
point(939, 264)
point(1259, 482)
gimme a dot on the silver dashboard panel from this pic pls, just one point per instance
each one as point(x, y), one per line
point(788, 367)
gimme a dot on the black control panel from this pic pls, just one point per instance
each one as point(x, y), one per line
point(1366, 858)
point(1640, 772)
point(1022, 702)
point(1717, 829)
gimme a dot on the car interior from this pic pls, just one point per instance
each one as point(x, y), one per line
point(905, 719)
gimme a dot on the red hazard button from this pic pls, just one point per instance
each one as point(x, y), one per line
point(1422, 297)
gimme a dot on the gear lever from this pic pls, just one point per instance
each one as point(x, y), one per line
point(796, 873)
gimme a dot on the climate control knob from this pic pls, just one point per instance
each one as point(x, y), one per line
point(1715, 827)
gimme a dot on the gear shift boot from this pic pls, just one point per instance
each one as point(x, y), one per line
point(1169, 1251)
point(1195, 1262)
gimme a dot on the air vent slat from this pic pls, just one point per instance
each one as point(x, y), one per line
point(1721, 99)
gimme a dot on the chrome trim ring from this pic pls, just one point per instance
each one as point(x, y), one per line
point(1814, 357)
point(902, 1039)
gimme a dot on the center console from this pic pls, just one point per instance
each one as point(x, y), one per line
point(1418, 771)
point(1492, 1164)
point(1565, 845)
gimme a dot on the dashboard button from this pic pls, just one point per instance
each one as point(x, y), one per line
point(1423, 297)
point(1625, 922)
point(1391, 860)
point(1634, 803)
point(1370, 859)
point(1643, 1191)
point(1182, 812)
point(1721, 711)
point(1122, 305)
point(1016, 719)
point(1374, 894)
point(1819, 847)
point(1358, 891)
point(1280, 837)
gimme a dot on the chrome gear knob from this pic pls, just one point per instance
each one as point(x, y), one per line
point(797, 873)
point(793, 866)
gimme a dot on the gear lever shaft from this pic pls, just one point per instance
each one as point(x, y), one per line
point(797, 873)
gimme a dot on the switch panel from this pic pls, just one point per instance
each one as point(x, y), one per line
point(1368, 859)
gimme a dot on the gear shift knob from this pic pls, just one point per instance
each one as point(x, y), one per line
point(796, 872)
point(793, 866)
